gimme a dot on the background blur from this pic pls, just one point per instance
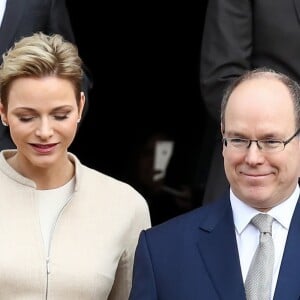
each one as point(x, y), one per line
point(144, 59)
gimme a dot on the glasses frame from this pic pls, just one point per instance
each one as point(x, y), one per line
point(284, 142)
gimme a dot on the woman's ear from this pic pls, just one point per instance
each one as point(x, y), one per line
point(81, 105)
point(3, 115)
point(1, 108)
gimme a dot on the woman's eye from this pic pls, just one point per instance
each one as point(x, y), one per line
point(60, 117)
point(26, 119)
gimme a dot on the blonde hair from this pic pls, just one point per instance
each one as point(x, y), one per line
point(38, 56)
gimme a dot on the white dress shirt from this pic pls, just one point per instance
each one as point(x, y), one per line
point(247, 235)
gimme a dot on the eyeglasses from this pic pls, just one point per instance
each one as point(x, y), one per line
point(267, 145)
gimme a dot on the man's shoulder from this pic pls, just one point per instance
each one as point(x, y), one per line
point(205, 217)
point(181, 223)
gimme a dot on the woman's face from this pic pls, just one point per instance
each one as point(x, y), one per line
point(42, 115)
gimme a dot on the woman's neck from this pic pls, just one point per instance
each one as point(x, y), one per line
point(44, 178)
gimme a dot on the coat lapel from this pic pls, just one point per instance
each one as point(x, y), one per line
point(218, 248)
point(11, 19)
point(288, 283)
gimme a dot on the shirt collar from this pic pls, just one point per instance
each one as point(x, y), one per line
point(243, 213)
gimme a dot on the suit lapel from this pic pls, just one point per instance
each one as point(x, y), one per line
point(12, 15)
point(218, 248)
point(288, 283)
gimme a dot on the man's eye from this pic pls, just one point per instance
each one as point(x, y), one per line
point(239, 141)
point(271, 143)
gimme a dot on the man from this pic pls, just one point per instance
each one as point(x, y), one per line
point(239, 36)
point(206, 254)
point(21, 18)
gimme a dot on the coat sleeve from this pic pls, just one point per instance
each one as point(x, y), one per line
point(226, 48)
point(59, 20)
point(143, 285)
point(137, 221)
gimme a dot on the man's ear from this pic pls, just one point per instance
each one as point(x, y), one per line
point(222, 128)
point(222, 132)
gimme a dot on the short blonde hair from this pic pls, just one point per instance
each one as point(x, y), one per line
point(41, 55)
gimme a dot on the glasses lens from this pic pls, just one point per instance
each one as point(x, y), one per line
point(271, 145)
point(263, 145)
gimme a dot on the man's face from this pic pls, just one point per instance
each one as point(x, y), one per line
point(259, 109)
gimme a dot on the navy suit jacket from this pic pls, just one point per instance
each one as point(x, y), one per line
point(195, 256)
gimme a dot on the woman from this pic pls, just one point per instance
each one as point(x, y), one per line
point(67, 232)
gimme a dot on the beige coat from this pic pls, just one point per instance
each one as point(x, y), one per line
point(92, 246)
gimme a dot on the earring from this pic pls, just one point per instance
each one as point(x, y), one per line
point(78, 121)
point(4, 123)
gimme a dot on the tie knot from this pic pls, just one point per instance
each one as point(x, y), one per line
point(263, 222)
